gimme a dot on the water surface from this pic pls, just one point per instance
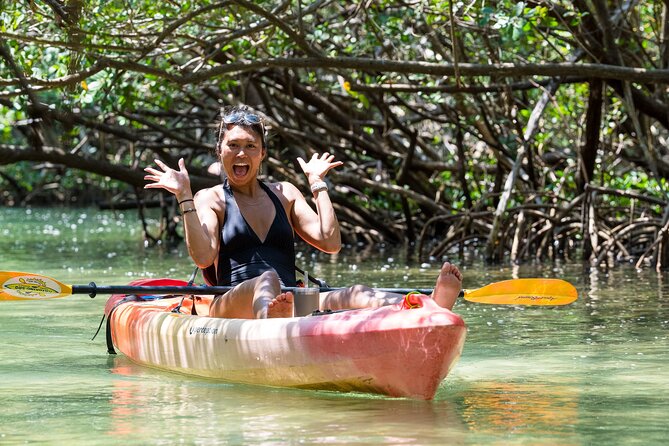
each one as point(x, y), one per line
point(594, 372)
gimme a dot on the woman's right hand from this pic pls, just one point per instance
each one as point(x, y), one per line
point(175, 181)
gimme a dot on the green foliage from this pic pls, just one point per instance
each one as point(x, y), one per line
point(637, 181)
point(25, 175)
point(155, 95)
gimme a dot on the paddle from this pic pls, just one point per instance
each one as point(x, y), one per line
point(29, 286)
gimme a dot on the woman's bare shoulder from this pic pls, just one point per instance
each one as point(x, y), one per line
point(285, 189)
point(211, 196)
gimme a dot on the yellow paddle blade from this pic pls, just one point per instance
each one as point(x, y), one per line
point(28, 286)
point(524, 292)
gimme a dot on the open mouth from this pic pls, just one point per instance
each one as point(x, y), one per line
point(240, 169)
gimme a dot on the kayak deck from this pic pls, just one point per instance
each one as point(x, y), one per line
point(391, 350)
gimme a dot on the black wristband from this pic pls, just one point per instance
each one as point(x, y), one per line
point(184, 201)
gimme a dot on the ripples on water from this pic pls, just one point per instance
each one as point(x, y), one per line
point(593, 372)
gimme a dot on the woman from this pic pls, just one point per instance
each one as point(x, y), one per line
point(243, 229)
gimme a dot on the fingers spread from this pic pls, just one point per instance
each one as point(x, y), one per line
point(152, 171)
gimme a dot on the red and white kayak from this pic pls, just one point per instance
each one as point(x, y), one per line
point(403, 350)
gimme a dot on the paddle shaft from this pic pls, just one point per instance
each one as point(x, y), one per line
point(93, 290)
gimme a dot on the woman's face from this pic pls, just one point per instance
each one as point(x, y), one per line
point(241, 154)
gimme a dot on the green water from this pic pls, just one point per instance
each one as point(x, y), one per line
point(594, 372)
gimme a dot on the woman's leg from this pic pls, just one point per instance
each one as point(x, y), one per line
point(256, 298)
point(357, 296)
point(446, 290)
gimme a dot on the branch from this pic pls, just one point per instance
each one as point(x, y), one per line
point(602, 71)
point(362, 182)
point(628, 194)
point(473, 89)
point(583, 70)
point(13, 154)
point(285, 27)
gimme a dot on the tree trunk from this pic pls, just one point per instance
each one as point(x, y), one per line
point(588, 152)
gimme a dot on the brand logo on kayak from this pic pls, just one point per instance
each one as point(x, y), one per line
point(31, 287)
point(535, 298)
point(203, 330)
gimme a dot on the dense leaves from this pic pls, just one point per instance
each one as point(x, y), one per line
point(529, 129)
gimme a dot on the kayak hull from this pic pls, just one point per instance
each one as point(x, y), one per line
point(391, 350)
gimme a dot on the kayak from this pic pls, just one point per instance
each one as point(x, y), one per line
point(402, 350)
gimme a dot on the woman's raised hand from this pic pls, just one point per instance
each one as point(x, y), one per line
point(318, 166)
point(175, 181)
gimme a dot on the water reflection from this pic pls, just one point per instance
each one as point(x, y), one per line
point(250, 414)
point(521, 408)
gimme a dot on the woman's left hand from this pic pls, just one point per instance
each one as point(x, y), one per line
point(318, 166)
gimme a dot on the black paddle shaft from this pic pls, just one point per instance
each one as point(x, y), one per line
point(93, 290)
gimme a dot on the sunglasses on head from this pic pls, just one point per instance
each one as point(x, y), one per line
point(243, 118)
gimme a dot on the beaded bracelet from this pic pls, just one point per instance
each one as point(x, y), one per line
point(185, 211)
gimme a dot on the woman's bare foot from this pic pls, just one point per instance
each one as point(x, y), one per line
point(449, 284)
point(281, 306)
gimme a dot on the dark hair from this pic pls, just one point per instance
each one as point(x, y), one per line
point(243, 116)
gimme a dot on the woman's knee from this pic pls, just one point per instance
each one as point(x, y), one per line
point(269, 278)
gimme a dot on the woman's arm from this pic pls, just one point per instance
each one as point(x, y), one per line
point(199, 218)
point(320, 228)
point(201, 229)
